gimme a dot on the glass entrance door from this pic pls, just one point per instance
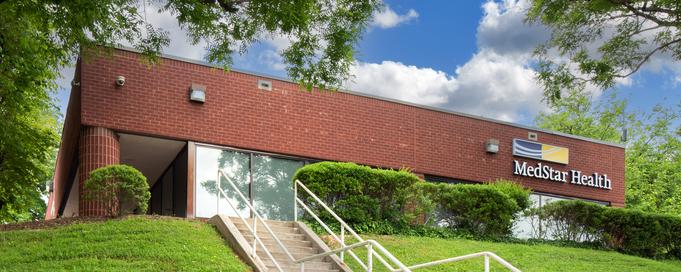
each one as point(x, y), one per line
point(264, 180)
point(236, 167)
point(272, 186)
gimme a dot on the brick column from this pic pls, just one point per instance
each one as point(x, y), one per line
point(98, 147)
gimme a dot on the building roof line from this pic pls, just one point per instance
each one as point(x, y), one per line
point(392, 100)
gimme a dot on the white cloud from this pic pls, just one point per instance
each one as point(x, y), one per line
point(489, 85)
point(497, 82)
point(388, 18)
point(180, 45)
point(272, 59)
point(497, 86)
point(504, 30)
point(399, 81)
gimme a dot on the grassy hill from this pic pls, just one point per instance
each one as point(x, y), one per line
point(166, 244)
point(132, 244)
point(414, 250)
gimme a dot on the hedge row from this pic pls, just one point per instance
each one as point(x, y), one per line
point(484, 209)
point(625, 230)
point(358, 194)
point(388, 201)
point(365, 196)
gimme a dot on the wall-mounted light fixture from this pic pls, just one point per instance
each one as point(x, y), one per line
point(197, 93)
point(492, 146)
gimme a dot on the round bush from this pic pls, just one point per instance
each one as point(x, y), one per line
point(119, 184)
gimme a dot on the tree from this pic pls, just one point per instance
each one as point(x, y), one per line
point(603, 40)
point(38, 37)
point(654, 164)
point(653, 154)
point(576, 114)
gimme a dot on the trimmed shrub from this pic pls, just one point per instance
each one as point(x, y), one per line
point(576, 221)
point(358, 194)
point(642, 233)
point(481, 209)
point(119, 184)
point(625, 230)
point(517, 192)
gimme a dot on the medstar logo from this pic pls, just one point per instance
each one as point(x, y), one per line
point(540, 151)
point(541, 171)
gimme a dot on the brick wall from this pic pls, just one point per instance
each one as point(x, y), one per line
point(324, 125)
point(98, 147)
point(68, 152)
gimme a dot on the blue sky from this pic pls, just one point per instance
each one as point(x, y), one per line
point(467, 56)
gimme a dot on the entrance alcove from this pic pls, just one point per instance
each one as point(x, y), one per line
point(164, 163)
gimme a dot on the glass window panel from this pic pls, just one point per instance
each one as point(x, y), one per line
point(550, 227)
point(235, 166)
point(273, 188)
point(527, 226)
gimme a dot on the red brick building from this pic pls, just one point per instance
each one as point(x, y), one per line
point(260, 130)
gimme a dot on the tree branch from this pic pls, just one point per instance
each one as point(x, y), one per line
point(645, 29)
point(645, 59)
point(230, 6)
point(658, 9)
point(623, 15)
point(638, 12)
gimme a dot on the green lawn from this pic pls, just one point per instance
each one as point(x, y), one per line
point(164, 244)
point(414, 250)
point(133, 244)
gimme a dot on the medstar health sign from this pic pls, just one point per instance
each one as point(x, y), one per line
point(544, 152)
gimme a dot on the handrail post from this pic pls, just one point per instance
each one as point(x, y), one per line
point(217, 193)
point(486, 263)
point(295, 204)
point(370, 254)
point(342, 236)
point(255, 235)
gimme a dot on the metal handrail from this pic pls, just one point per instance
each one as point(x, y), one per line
point(344, 226)
point(255, 219)
point(485, 254)
point(371, 244)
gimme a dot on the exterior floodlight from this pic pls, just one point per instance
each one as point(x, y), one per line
point(492, 146)
point(197, 93)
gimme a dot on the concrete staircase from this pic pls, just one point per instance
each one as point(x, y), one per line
point(296, 237)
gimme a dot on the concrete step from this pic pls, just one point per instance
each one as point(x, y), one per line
point(315, 264)
point(268, 241)
point(272, 223)
point(304, 251)
point(273, 246)
point(281, 236)
point(261, 229)
point(295, 241)
point(279, 254)
point(297, 268)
